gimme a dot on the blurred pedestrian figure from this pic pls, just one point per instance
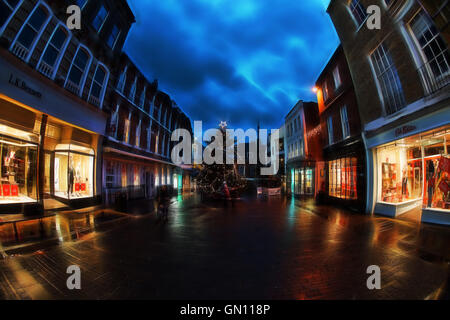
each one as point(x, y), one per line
point(163, 200)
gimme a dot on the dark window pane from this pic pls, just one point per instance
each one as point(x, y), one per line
point(50, 56)
point(12, 3)
point(96, 89)
point(27, 36)
point(5, 11)
point(58, 38)
point(38, 18)
point(75, 75)
point(100, 75)
point(99, 18)
point(81, 59)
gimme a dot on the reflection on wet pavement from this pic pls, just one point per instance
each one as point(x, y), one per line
point(247, 249)
point(64, 227)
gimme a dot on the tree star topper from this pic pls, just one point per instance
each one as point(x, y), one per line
point(223, 124)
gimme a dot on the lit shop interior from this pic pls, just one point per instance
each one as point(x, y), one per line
point(69, 161)
point(73, 172)
point(416, 169)
point(342, 178)
point(301, 181)
point(18, 150)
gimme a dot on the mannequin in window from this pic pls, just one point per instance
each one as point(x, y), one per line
point(78, 177)
point(70, 180)
point(430, 181)
point(404, 184)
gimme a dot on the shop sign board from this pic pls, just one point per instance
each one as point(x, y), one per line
point(21, 84)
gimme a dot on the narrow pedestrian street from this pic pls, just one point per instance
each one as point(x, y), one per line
point(246, 249)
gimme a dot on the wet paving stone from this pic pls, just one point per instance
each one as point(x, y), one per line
point(249, 249)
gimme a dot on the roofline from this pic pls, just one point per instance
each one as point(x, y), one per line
point(335, 53)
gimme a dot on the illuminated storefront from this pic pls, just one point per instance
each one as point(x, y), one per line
point(73, 172)
point(49, 144)
point(301, 179)
point(342, 178)
point(344, 182)
point(415, 171)
point(18, 151)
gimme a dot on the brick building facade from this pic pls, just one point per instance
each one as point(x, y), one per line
point(343, 148)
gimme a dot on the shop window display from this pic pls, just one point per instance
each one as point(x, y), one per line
point(73, 172)
point(437, 170)
point(342, 178)
point(401, 172)
point(18, 171)
point(416, 168)
point(302, 183)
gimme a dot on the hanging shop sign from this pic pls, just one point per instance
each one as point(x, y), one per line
point(19, 83)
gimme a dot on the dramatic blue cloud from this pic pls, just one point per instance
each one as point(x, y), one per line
point(239, 61)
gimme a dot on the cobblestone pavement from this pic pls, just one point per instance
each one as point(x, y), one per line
point(251, 249)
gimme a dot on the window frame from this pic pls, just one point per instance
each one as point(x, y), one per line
point(419, 48)
point(330, 130)
point(13, 13)
point(119, 32)
point(103, 86)
point(380, 84)
point(337, 76)
point(85, 72)
point(345, 122)
point(104, 20)
point(38, 33)
point(351, 10)
point(61, 52)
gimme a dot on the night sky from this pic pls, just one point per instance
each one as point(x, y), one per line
point(235, 61)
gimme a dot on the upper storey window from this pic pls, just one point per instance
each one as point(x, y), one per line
point(325, 91)
point(30, 32)
point(6, 9)
point(337, 78)
point(433, 48)
point(112, 39)
point(78, 70)
point(330, 130)
point(358, 12)
point(142, 98)
point(99, 19)
point(53, 51)
point(388, 80)
point(122, 80)
point(81, 3)
point(98, 85)
point(132, 95)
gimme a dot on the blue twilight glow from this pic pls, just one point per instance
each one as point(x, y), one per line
point(239, 61)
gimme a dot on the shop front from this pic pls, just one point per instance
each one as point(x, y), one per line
point(19, 152)
point(410, 169)
point(301, 178)
point(414, 172)
point(344, 182)
point(49, 144)
point(73, 172)
point(135, 176)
